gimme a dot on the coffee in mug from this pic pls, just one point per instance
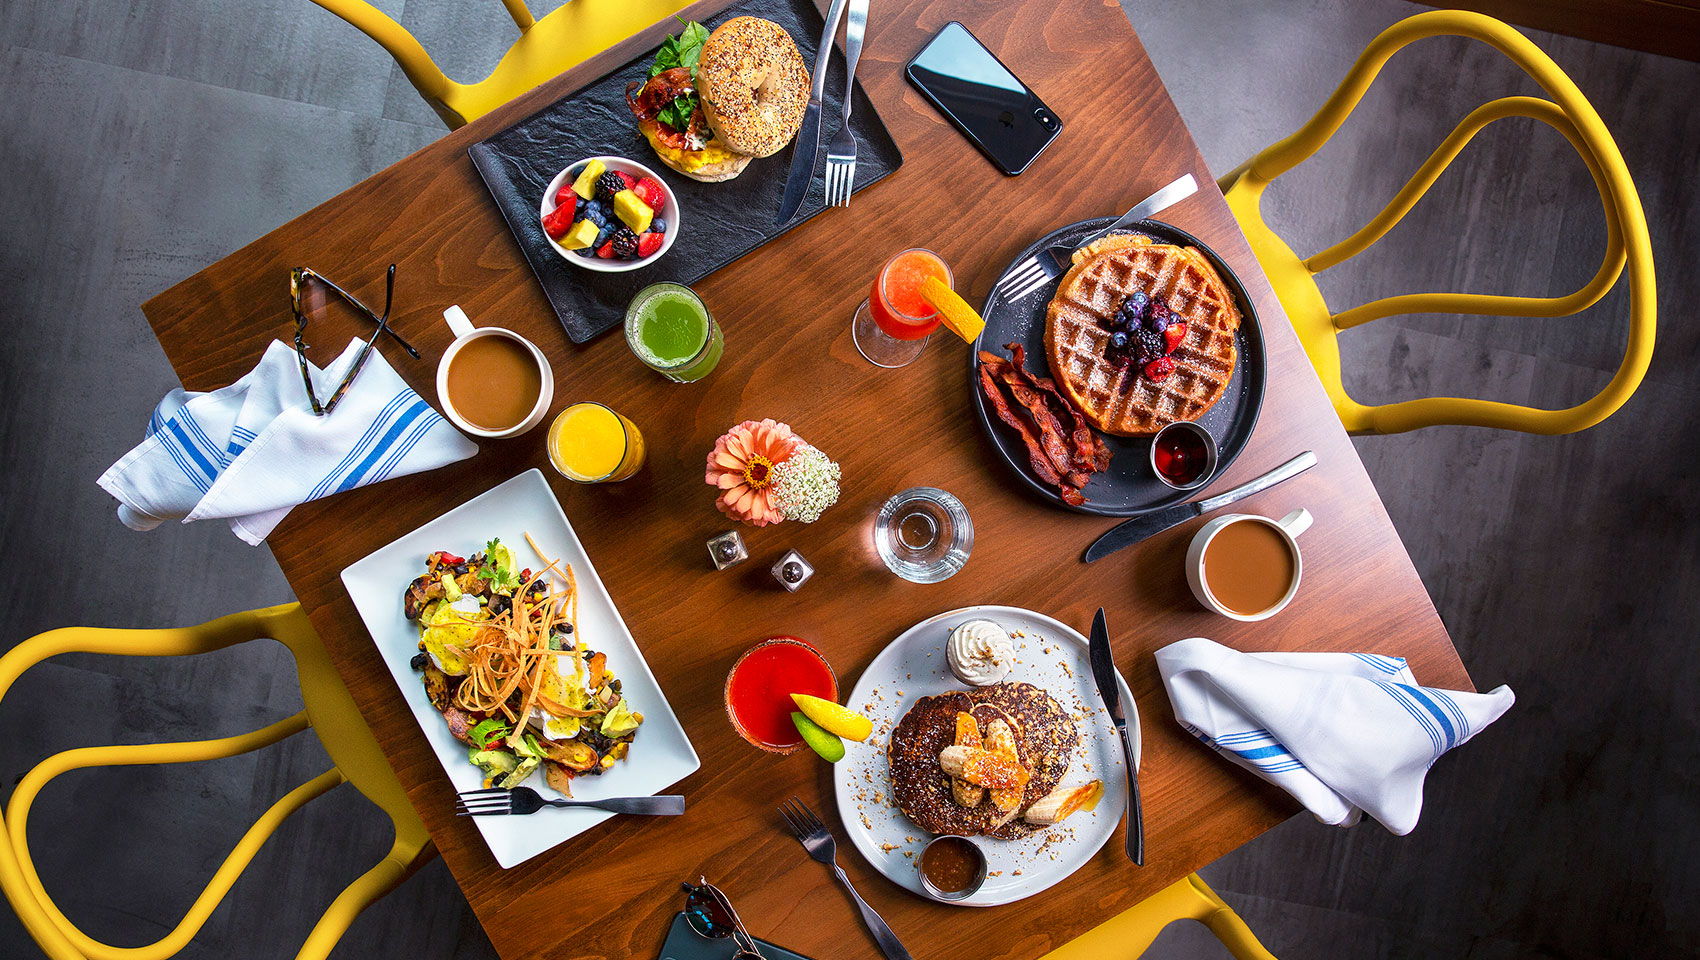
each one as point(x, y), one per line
point(492, 382)
point(1245, 566)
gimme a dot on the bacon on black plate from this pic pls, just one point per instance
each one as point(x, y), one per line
point(1061, 457)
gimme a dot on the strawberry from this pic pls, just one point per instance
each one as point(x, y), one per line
point(566, 195)
point(649, 191)
point(1173, 334)
point(558, 221)
point(648, 243)
point(1159, 369)
point(607, 251)
point(631, 181)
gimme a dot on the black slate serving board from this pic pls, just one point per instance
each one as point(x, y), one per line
point(722, 221)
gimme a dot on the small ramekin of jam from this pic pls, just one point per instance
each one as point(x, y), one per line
point(1183, 455)
point(952, 868)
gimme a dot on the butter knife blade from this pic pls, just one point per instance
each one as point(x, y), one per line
point(806, 146)
point(1130, 532)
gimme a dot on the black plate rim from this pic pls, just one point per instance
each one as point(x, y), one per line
point(1252, 367)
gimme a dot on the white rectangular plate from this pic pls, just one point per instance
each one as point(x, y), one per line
point(661, 755)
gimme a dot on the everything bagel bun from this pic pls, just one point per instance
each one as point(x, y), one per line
point(712, 164)
point(753, 85)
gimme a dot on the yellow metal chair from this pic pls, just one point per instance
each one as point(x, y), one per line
point(1293, 277)
point(329, 711)
point(1127, 934)
point(575, 32)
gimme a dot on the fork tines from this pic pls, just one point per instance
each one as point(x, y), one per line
point(1028, 276)
point(800, 818)
point(493, 801)
point(840, 180)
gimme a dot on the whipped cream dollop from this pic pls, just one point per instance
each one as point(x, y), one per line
point(980, 652)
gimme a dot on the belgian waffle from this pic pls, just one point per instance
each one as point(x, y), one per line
point(1121, 400)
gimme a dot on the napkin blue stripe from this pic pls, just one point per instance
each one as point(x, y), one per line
point(383, 446)
point(1452, 707)
point(183, 464)
point(1423, 698)
point(212, 449)
point(360, 446)
point(187, 446)
point(420, 429)
point(156, 422)
point(1243, 736)
point(1384, 664)
point(1395, 691)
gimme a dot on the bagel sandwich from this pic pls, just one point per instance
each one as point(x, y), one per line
point(670, 115)
point(752, 85)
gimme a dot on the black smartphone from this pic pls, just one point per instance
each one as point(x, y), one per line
point(989, 104)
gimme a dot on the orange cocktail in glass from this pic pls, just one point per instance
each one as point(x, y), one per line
point(892, 325)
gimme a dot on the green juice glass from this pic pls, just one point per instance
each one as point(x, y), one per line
point(671, 331)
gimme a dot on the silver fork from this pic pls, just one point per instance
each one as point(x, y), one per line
point(497, 802)
point(817, 840)
point(1038, 270)
point(841, 151)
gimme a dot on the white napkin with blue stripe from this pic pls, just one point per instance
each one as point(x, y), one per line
point(249, 452)
point(1344, 733)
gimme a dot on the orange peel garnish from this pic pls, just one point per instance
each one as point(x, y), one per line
point(954, 312)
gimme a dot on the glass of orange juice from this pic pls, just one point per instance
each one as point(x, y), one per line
point(891, 326)
point(590, 443)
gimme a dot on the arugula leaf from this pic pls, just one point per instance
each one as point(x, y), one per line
point(488, 731)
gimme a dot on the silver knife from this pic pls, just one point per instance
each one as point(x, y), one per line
point(1132, 531)
point(1104, 672)
point(807, 145)
point(1183, 187)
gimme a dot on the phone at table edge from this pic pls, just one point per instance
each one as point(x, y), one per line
point(943, 71)
point(683, 943)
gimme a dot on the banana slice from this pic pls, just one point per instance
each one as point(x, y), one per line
point(967, 735)
point(1054, 807)
point(983, 767)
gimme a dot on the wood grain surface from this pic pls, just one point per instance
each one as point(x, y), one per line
point(785, 310)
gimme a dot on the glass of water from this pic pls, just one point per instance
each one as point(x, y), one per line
point(923, 534)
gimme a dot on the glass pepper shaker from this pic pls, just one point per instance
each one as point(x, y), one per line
point(792, 571)
point(727, 550)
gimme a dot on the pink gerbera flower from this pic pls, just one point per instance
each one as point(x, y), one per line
point(741, 467)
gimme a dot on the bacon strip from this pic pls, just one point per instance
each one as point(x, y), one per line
point(1036, 455)
point(1066, 464)
point(1091, 454)
point(653, 95)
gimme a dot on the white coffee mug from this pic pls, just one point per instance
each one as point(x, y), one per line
point(465, 333)
point(1289, 527)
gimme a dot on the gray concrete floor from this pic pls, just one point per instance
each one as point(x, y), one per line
point(144, 139)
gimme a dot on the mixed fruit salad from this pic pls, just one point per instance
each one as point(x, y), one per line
point(608, 214)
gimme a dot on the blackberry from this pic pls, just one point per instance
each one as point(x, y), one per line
point(1159, 318)
point(607, 185)
point(1151, 344)
point(625, 247)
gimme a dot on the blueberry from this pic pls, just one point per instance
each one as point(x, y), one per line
point(658, 225)
point(1118, 340)
point(1137, 301)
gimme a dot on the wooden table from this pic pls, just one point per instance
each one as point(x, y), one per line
point(786, 310)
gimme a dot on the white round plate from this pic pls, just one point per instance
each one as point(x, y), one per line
point(1049, 655)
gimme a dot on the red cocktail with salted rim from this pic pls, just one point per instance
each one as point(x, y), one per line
point(759, 688)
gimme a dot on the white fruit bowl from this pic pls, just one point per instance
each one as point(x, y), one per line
point(669, 213)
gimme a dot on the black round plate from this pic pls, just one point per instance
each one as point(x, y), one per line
point(1128, 488)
